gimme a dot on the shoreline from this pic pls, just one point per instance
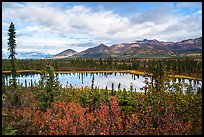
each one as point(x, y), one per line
point(109, 71)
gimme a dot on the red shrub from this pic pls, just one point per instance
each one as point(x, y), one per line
point(72, 119)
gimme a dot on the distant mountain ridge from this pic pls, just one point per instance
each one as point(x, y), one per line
point(98, 51)
point(33, 55)
point(65, 53)
point(138, 48)
point(28, 55)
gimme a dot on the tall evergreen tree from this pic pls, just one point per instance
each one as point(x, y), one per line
point(112, 90)
point(119, 87)
point(101, 62)
point(52, 84)
point(160, 77)
point(12, 47)
point(50, 87)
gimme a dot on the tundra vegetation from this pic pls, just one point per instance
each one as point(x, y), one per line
point(48, 108)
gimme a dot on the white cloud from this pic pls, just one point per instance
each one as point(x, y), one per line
point(44, 25)
point(199, 12)
point(187, 5)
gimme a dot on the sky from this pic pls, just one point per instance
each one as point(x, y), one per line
point(51, 27)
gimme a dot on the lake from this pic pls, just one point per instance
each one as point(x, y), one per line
point(101, 80)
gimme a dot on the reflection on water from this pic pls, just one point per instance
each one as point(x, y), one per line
point(101, 80)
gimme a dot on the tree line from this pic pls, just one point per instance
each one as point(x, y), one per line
point(185, 66)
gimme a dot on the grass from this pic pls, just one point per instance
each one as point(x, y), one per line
point(192, 54)
point(110, 71)
point(20, 71)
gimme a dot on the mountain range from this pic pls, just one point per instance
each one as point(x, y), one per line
point(27, 55)
point(138, 48)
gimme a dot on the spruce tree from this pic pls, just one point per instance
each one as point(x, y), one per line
point(50, 87)
point(160, 78)
point(119, 87)
point(112, 90)
point(12, 47)
point(52, 84)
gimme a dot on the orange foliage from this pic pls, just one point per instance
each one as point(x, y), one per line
point(72, 119)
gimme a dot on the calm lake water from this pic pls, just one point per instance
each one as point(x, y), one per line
point(101, 80)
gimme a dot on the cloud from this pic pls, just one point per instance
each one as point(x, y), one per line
point(187, 5)
point(60, 27)
point(89, 44)
point(199, 12)
point(156, 15)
